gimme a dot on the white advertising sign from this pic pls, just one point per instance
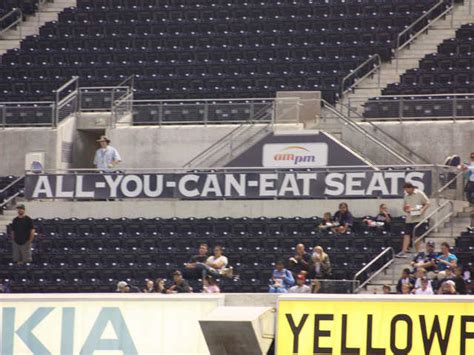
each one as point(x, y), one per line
point(295, 155)
point(104, 324)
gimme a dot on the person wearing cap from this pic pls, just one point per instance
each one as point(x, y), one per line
point(124, 287)
point(180, 285)
point(22, 234)
point(300, 286)
point(106, 157)
point(425, 259)
point(415, 205)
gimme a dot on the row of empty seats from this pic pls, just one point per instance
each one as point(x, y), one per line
point(90, 255)
point(449, 70)
point(200, 49)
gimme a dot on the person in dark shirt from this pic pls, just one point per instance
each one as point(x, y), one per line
point(425, 259)
point(191, 272)
point(23, 233)
point(180, 285)
point(344, 218)
point(380, 221)
point(459, 281)
point(405, 279)
point(300, 262)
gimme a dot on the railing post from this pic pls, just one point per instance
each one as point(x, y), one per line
point(400, 107)
point(206, 112)
point(455, 108)
point(4, 116)
point(160, 113)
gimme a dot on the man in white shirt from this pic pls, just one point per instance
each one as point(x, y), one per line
point(300, 286)
point(106, 157)
point(425, 288)
point(469, 169)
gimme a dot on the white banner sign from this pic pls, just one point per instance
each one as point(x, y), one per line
point(297, 155)
point(104, 324)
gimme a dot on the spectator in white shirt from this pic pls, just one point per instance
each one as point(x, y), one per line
point(469, 169)
point(106, 157)
point(215, 264)
point(425, 288)
point(300, 286)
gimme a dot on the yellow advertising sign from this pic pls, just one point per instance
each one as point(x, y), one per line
point(375, 325)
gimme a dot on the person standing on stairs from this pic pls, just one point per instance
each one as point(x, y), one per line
point(415, 205)
point(22, 234)
point(469, 188)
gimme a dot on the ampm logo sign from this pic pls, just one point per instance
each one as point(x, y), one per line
point(295, 155)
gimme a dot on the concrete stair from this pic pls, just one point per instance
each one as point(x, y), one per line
point(409, 57)
point(47, 12)
point(461, 221)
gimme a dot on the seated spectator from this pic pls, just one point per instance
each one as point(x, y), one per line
point(124, 287)
point(386, 290)
point(406, 289)
point(327, 222)
point(160, 286)
point(320, 266)
point(382, 220)
point(445, 260)
point(425, 287)
point(180, 285)
point(425, 259)
point(300, 262)
point(459, 281)
point(300, 286)
point(217, 263)
point(420, 274)
point(447, 288)
point(191, 271)
point(282, 279)
point(210, 285)
point(149, 287)
point(343, 218)
point(405, 279)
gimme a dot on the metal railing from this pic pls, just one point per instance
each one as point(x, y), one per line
point(366, 135)
point(9, 198)
point(21, 114)
point(413, 107)
point(366, 69)
point(378, 264)
point(66, 100)
point(420, 25)
point(204, 111)
point(122, 99)
point(438, 221)
point(12, 22)
point(388, 138)
point(453, 189)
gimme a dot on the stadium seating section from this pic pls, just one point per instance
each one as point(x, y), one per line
point(207, 48)
point(28, 7)
point(91, 255)
point(450, 70)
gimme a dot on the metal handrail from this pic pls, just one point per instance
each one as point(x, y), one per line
point(367, 134)
point(366, 267)
point(14, 23)
point(414, 96)
point(412, 37)
point(436, 225)
point(13, 183)
point(445, 186)
point(377, 128)
point(4, 203)
point(356, 70)
point(232, 100)
point(352, 168)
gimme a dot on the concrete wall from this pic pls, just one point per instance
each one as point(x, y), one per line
point(433, 140)
point(163, 147)
point(200, 209)
point(16, 142)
